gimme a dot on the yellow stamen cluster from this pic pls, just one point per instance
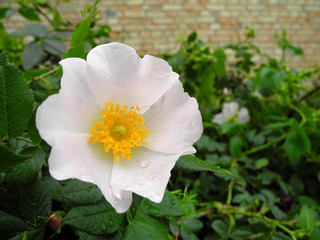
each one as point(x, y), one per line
point(120, 130)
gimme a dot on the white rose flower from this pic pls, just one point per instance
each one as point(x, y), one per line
point(120, 122)
point(230, 112)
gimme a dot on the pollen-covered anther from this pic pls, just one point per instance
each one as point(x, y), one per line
point(120, 130)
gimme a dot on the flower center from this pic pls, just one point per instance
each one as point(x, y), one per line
point(120, 130)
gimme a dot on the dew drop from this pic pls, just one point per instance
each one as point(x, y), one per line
point(162, 167)
point(144, 164)
point(151, 176)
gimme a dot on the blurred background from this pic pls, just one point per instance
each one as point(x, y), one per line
point(153, 26)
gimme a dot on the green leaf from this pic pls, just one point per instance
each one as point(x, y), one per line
point(5, 12)
point(279, 236)
point(192, 37)
point(296, 143)
point(258, 226)
point(16, 100)
point(10, 225)
point(96, 219)
point(192, 163)
point(144, 227)
point(29, 13)
point(169, 206)
point(87, 236)
point(33, 130)
point(35, 205)
point(81, 32)
point(307, 218)
point(36, 234)
point(26, 173)
point(76, 51)
point(32, 55)
point(191, 224)
point(219, 65)
point(82, 193)
point(221, 228)
point(236, 145)
point(261, 163)
point(8, 159)
point(54, 46)
point(36, 30)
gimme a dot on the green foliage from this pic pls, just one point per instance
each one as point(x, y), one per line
point(256, 180)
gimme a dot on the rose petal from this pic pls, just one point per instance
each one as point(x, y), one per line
point(117, 74)
point(147, 173)
point(174, 122)
point(243, 116)
point(230, 109)
point(74, 109)
point(219, 118)
point(73, 157)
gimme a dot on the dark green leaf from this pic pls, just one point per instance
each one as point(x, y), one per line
point(16, 100)
point(32, 55)
point(36, 234)
point(259, 226)
point(221, 228)
point(87, 236)
point(26, 173)
point(10, 225)
point(191, 163)
point(192, 37)
point(33, 131)
point(29, 13)
point(35, 205)
point(168, 207)
point(5, 12)
point(36, 30)
point(82, 193)
point(76, 51)
point(81, 32)
point(54, 46)
point(279, 236)
point(236, 145)
point(8, 159)
point(95, 219)
point(191, 224)
point(144, 227)
point(296, 143)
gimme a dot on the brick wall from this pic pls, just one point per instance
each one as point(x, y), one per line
point(152, 26)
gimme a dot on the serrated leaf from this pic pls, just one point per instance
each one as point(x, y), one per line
point(54, 46)
point(81, 32)
point(10, 225)
point(35, 205)
point(87, 236)
point(16, 100)
point(36, 234)
point(26, 173)
point(144, 227)
point(32, 55)
point(33, 131)
point(192, 163)
point(8, 159)
point(97, 219)
point(221, 228)
point(82, 193)
point(29, 13)
point(169, 206)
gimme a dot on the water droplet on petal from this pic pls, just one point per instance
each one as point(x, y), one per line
point(118, 195)
point(151, 176)
point(144, 164)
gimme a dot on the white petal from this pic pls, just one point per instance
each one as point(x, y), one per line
point(147, 173)
point(230, 109)
point(174, 122)
point(73, 157)
point(117, 74)
point(243, 116)
point(219, 118)
point(74, 109)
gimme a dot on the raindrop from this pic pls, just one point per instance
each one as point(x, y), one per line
point(144, 164)
point(151, 176)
